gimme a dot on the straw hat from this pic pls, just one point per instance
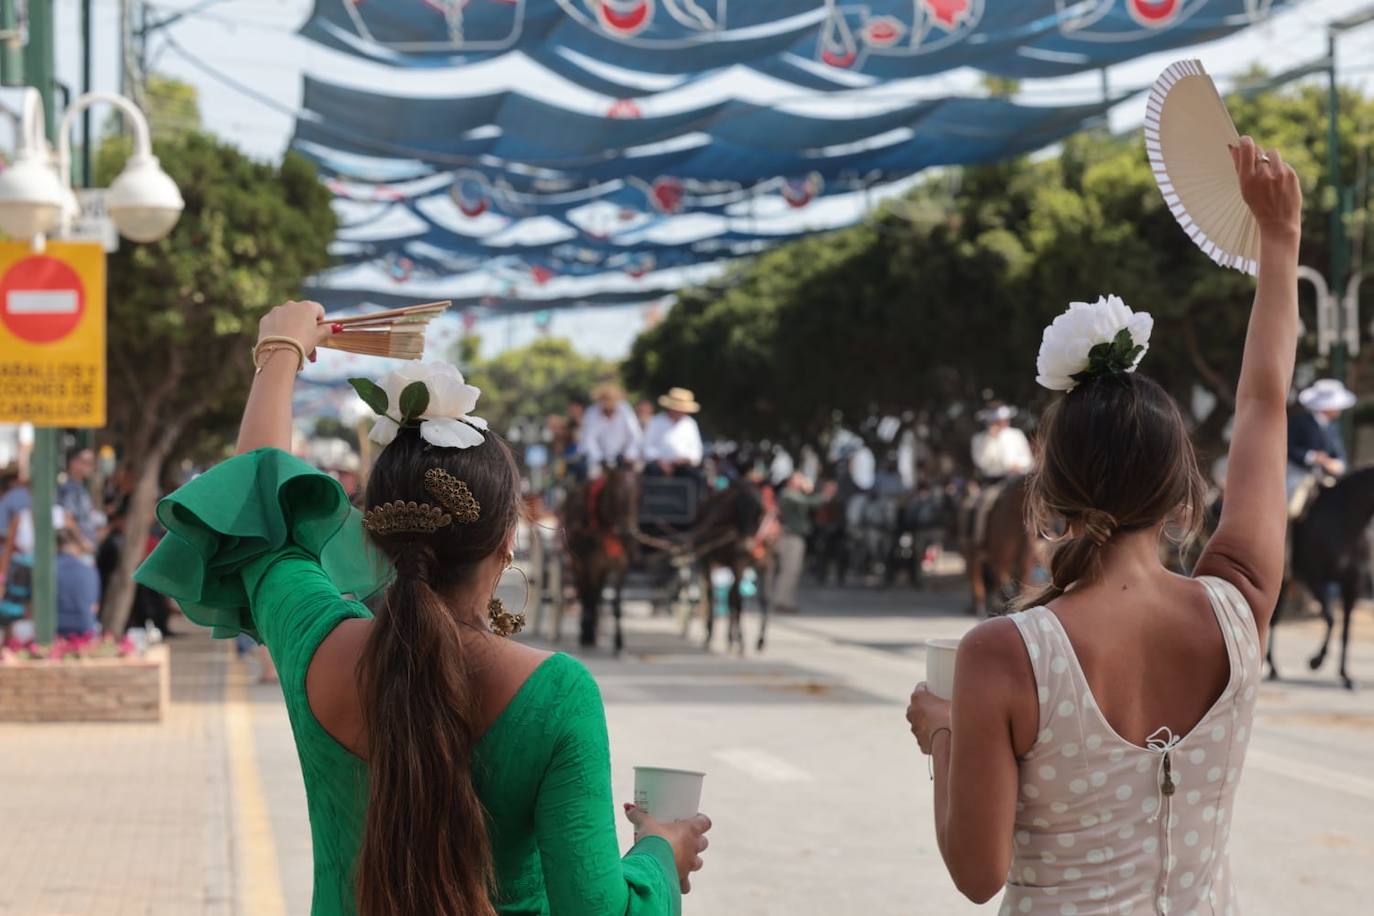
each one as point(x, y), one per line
point(680, 399)
point(1326, 394)
point(608, 390)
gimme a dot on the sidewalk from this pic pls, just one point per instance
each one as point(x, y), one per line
point(123, 818)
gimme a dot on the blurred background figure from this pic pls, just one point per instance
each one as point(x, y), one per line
point(610, 431)
point(672, 442)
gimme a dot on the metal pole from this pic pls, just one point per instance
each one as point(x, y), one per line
point(11, 52)
point(38, 68)
point(87, 144)
point(1336, 281)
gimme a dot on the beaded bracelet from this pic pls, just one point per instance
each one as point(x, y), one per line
point(274, 342)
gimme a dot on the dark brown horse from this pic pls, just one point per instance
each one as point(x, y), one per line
point(599, 518)
point(1000, 563)
point(723, 537)
point(1330, 545)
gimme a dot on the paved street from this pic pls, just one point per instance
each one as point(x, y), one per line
point(819, 795)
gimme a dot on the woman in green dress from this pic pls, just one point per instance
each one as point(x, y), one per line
point(448, 771)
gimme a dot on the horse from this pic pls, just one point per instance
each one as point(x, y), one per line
point(1002, 560)
point(723, 538)
point(600, 521)
point(1330, 544)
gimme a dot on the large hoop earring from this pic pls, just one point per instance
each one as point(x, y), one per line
point(503, 622)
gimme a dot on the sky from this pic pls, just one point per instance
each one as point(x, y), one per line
point(253, 43)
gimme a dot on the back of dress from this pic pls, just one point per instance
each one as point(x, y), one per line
point(1107, 826)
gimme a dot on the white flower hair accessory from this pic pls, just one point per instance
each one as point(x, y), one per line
point(1102, 339)
point(432, 396)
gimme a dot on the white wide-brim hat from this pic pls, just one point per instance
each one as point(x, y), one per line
point(680, 399)
point(1002, 412)
point(1327, 394)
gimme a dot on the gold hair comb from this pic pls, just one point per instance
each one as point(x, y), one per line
point(453, 495)
point(405, 518)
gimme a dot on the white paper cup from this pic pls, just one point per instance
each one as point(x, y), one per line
point(667, 794)
point(940, 666)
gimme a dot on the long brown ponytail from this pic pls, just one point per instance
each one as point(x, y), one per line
point(424, 848)
point(1114, 457)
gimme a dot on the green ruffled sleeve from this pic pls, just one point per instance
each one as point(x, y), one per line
point(227, 527)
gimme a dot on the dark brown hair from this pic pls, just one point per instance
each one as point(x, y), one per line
point(424, 847)
point(1114, 457)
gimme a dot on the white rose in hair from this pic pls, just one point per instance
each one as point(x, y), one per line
point(444, 419)
point(1101, 338)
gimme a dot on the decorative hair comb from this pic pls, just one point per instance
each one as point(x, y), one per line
point(401, 517)
point(453, 495)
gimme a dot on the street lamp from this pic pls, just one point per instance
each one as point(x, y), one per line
point(32, 197)
point(144, 201)
point(36, 196)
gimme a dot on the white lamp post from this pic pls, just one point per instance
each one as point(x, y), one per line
point(36, 196)
point(31, 195)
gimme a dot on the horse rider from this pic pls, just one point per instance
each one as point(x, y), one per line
point(1000, 451)
point(610, 431)
point(1316, 449)
point(672, 441)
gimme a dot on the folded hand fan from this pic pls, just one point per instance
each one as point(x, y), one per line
point(398, 333)
point(1187, 132)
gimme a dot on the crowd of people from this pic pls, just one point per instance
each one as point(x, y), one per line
point(88, 518)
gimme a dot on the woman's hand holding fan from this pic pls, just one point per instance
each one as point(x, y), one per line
point(1270, 189)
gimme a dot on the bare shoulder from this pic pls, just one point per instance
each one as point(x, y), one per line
point(995, 644)
point(331, 682)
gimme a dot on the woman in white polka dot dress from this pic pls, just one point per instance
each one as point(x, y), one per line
point(1090, 756)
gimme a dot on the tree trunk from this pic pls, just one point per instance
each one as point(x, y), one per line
point(119, 595)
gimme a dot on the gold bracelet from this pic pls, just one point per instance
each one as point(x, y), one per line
point(278, 342)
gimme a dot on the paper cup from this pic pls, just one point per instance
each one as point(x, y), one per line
point(667, 794)
point(940, 666)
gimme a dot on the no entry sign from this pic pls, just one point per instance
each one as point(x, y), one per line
point(52, 334)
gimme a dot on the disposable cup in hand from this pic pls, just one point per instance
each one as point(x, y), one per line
point(940, 666)
point(667, 794)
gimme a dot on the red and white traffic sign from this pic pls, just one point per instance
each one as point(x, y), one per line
point(41, 299)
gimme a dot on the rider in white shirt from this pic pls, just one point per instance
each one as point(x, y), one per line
point(610, 431)
point(1000, 450)
point(672, 441)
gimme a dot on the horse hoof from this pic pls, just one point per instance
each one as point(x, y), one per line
point(760, 646)
point(1315, 662)
point(1349, 682)
point(1273, 674)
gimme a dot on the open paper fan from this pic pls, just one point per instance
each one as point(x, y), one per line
point(1187, 132)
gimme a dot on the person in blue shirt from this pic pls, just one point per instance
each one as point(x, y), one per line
point(78, 588)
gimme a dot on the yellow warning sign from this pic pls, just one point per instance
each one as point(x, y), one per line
point(52, 334)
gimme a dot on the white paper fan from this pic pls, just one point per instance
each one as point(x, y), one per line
point(1187, 132)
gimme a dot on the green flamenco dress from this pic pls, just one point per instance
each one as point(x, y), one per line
point(265, 545)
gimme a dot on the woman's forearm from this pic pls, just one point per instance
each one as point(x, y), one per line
point(1270, 343)
point(940, 762)
point(267, 415)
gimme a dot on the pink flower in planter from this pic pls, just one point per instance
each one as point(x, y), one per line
point(126, 647)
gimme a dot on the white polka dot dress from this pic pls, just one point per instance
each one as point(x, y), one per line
point(1106, 826)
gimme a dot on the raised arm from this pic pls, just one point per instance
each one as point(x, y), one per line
point(267, 415)
point(1247, 549)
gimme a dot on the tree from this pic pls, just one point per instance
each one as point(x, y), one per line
point(532, 382)
point(937, 301)
point(183, 312)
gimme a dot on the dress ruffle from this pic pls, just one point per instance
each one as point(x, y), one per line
point(226, 527)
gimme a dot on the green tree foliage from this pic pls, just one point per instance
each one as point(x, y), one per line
point(531, 382)
point(183, 312)
point(939, 299)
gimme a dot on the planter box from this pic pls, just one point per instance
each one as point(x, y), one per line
point(86, 690)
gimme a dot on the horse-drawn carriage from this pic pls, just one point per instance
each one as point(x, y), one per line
point(663, 535)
